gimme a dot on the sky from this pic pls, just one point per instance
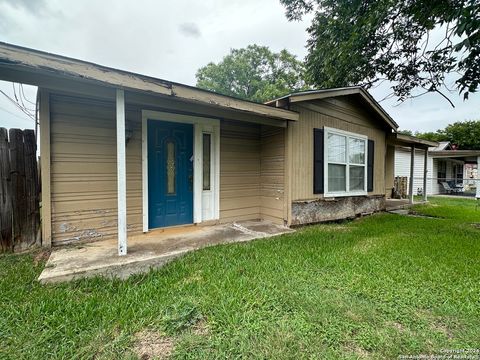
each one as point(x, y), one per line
point(172, 39)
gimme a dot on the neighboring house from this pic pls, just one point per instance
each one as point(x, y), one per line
point(457, 168)
point(122, 153)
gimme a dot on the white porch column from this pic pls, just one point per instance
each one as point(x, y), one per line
point(425, 174)
point(121, 175)
point(412, 170)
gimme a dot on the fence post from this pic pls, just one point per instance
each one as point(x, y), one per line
point(6, 215)
point(17, 170)
point(32, 226)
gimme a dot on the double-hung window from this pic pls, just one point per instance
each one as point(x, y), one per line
point(345, 163)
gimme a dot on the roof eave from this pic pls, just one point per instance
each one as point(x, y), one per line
point(455, 153)
point(16, 57)
point(409, 141)
point(345, 91)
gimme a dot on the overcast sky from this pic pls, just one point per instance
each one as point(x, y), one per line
point(172, 39)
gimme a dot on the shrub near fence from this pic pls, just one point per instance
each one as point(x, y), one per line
point(19, 190)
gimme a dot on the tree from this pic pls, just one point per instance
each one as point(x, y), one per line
point(406, 132)
point(438, 135)
point(464, 134)
point(363, 42)
point(253, 73)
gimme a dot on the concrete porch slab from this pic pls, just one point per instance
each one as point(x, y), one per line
point(151, 250)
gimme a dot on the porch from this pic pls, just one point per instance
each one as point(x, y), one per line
point(213, 159)
point(151, 250)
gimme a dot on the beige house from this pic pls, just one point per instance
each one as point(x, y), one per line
point(123, 153)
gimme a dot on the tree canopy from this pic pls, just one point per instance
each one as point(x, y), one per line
point(363, 42)
point(253, 73)
point(464, 134)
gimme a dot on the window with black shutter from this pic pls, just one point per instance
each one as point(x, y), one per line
point(343, 163)
point(318, 161)
point(370, 161)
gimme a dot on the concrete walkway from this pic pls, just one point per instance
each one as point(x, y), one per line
point(395, 204)
point(151, 250)
point(398, 204)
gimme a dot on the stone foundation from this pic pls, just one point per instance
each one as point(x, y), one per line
point(309, 212)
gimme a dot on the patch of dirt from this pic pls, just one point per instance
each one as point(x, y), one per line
point(153, 345)
point(424, 314)
point(201, 328)
point(367, 245)
point(197, 277)
point(476, 225)
point(441, 328)
point(436, 323)
point(397, 326)
point(350, 314)
point(41, 257)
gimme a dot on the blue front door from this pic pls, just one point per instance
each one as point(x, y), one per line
point(170, 173)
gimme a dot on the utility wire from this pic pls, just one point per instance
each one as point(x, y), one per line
point(23, 93)
point(24, 110)
point(13, 114)
point(21, 99)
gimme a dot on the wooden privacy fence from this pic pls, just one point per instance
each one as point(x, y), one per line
point(19, 190)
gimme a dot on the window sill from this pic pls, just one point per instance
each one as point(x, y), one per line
point(345, 194)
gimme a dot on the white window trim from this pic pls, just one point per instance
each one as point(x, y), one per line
point(328, 130)
point(200, 125)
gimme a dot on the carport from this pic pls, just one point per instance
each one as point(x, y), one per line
point(414, 143)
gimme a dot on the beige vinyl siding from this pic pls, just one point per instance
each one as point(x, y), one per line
point(83, 170)
point(272, 180)
point(338, 113)
point(239, 171)
point(252, 172)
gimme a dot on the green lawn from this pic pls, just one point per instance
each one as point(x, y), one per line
point(377, 287)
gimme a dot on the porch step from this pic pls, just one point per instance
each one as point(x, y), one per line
point(120, 269)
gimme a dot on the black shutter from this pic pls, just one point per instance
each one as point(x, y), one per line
point(370, 161)
point(318, 161)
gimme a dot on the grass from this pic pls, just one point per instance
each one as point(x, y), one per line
point(378, 287)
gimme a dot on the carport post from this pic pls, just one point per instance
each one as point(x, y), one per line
point(477, 194)
point(425, 174)
point(412, 169)
point(121, 175)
